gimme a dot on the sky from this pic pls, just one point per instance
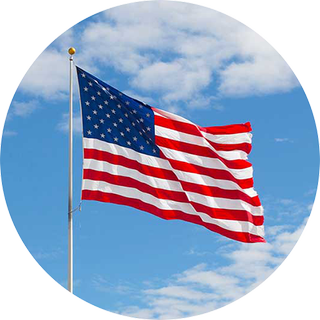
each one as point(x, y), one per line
point(191, 61)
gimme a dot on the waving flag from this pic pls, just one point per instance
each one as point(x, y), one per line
point(155, 161)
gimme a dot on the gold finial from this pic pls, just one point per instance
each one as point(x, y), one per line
point(72, 51)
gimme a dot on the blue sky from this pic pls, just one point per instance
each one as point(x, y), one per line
point(213, 71)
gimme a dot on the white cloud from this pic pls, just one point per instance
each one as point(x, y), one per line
point(176, 50)
point(9, 133)
point(63, 125)
point(202, 289)
point(282, 140)
point(48, 76)
point(24, 108)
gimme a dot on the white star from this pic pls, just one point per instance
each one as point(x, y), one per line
point(147, 142)
point(101, 121)
point(85, 89)
point(127, 103)
point(109, 130)
point(122, 134)
point(104, 89)
point(102, 135)
point(93, 98)
point(95, 111)
point(100, 106)
point(90, 84)
point(140, 133)
point(135, 138)
point(108, 88)
point(95, 81)
point(126, 115)
point(148, 115)
point(129, 143)
point(148, 128)
point(115, 139)
point(120, 120)
point(106, 102)
point(141, 147)
point(140, 106)
point(108, 115)
point(83, 75)
point(88, 117)
point(87, 103)
point(112, 97)
point(119, 106)
point(133, 124)
point(96, 126)
point(115, 124)
point(89, 132)
point(154, 150)
point(141, 120)
point(113, 111)
point(128, 129)
point(99, 93)
point(134, 111)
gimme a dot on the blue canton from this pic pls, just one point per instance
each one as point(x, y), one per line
point(112, 116)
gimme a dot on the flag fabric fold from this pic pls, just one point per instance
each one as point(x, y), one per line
point(159, 162)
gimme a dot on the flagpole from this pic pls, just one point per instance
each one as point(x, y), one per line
point(71, 51)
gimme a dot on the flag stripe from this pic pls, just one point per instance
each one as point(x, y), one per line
point(165, 168)
point(229, 129)
point(232, 200)
point(201, 151)
point(163, 204)
point(168, 214)
point(205, 163)
point(169, 120)
point(228, 152)
point(177, 196)
point(147, 175)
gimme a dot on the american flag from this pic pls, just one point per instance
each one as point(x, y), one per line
point(159, 162)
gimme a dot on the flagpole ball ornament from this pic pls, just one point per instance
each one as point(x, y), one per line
point(72, 51)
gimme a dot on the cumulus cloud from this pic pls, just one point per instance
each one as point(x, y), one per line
point(63, 125)
point(282, 140)
point(203, 288)
point(178, 51)
point(48, 76)
point(23, 108)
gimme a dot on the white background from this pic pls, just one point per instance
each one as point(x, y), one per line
point(28, 27)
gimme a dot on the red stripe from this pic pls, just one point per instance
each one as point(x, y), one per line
point(246, 147)
point(167, 214)
point(200, 151)
point(220, 193)
point(229, 129)
point(133, 183)
point(177, 125)
point(164, 173)
point(213, 173)
point(241, 215)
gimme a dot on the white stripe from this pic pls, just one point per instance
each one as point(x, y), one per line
point(213, 202)
point(169, 115)
point(232, 225)
point(164, 164)
point(199, 141)
point(206, 162)
point(132, 173)
point(234, 138)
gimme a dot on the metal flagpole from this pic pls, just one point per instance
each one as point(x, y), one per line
point(71, 51)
